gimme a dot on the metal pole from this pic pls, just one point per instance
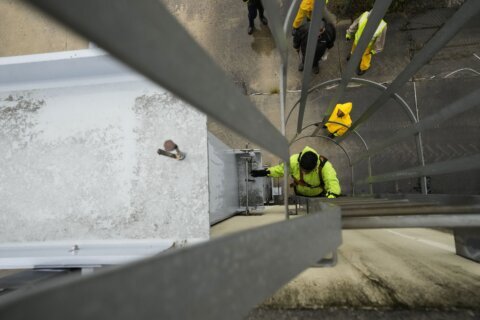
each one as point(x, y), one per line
point(457, 165)
point(309, 55)
point(458, 107)
point(432, 221)
point(136, 33)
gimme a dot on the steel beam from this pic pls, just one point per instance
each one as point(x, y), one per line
point(309, 55)
point(432, 221)
point(144, 35)
point(460, 106)
point(224, 277)
point(467, 11)
point(419, 209)
point(457, 165)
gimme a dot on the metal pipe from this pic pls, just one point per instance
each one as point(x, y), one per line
point(457, 165)
point(420, 209)
point(432, 221)
point(467, 11)
point(136, 32)
point(309, 55)
point(458, 107)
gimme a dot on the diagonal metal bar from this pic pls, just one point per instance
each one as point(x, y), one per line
point(274, 20)
point(309, 55)
point(376, 15)
point(144, 35)
point(292, 10)
point(466, 12)
point(457, 165)
point(207, 281)
point(431, 221)
point(460, 106)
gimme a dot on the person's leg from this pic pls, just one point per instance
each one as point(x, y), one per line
point(252, 14)
point(302, 58)
point(316, 59)
point(260, 12)
point(366, 61)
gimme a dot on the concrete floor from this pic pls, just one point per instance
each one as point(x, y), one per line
point(385, 269)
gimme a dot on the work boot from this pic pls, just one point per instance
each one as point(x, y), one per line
point(300, 67)
point(315, 69)
point(264, 20)
point(250, 30)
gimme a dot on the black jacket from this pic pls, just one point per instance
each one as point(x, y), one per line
point(325, 41)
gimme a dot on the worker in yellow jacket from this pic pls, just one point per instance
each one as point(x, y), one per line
point(339, 120)
point(313, 175)
point(375, 45)
point(305, 11)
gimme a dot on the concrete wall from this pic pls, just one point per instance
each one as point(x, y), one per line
point(79, 157)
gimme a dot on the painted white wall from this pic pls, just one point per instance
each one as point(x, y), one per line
point(79, 157)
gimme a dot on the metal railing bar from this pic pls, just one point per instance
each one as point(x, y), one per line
point(292, 11)
point(401, 210)
point(419, 145)
point(451, 166)
point(206, 281)
point(376, 15)
point(371, 83)
point(432, 221)
point(272, 10)
point(309, 55)
point(182, 66)
point(467, 11)
point(460, 106)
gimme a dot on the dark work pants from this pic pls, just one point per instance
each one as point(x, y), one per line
point(319, 51)
point(253, 6)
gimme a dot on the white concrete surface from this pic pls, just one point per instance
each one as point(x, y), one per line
point(79, 156)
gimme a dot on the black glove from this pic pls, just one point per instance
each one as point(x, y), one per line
point(259, 173)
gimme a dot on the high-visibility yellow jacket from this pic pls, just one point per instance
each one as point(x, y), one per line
point(305, 11)
point(377, 43)
point(321, 179)
point(339, 125)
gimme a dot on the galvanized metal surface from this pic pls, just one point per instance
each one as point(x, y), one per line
point(222, 180)
point(309, 55)
point(466, 12)
point(457, 165)
point(461, 105)
point(182, 66)
point(225, 276)
point(419, 221)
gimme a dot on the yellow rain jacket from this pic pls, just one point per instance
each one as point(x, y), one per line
point(305, 10)
point(339, 125)
point(321, 179)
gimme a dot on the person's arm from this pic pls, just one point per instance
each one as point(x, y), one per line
point(329, 177)
point(352, 29)
point(299, 18)
point(276, 171)
point(379, 44)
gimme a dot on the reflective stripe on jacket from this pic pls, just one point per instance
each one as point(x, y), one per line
point(316, 181)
